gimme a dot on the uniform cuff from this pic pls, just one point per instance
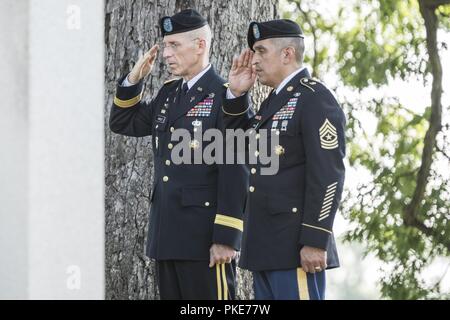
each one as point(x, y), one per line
point(313, 236)
point(128, 96)
point(126, 82)
point(236, 106)
point(228, 231)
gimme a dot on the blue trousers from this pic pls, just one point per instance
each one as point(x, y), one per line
point(292, 284)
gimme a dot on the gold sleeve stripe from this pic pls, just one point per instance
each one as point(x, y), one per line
point(318, 228)
point(219, 283)
point(229, 222)
point(302, 282)
point(327, 201)
point(234, 114)
point(127, 103)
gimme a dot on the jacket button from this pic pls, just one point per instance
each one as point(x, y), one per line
point(253, 171)
point(170, 146)
point(256, 153)
point(207, 204)
point(294, 210)
point(167, 162)
point(172, 129)
point(257, 136)
point(279, 150)
point(277, 132)
point(252, 188)
point(165, 178)
point(194, 144)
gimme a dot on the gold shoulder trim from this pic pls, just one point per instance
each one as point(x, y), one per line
point(170, 80)
point(308, 83)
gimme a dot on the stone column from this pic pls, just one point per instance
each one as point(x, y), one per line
point(52, 149)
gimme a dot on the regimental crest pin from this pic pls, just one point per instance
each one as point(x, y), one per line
point(196, 123)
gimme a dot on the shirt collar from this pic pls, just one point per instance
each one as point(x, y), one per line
point(287, 79)
point(191, 82)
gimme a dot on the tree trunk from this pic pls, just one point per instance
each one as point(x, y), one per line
point(131, 28)
point(411, 212)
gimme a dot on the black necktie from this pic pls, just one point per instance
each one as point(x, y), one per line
point(185, 88)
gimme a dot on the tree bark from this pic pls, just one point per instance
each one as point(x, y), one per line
point(131, 28)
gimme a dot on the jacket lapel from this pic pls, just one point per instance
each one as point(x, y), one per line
point(279, 100)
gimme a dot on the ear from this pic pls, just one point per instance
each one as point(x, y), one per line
point(288, 54)
point(201, 43)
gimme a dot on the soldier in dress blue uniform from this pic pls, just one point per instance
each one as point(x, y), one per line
point(288, 239)
point(196, 223)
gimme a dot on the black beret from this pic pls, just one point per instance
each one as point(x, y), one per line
point(282, 28)
point(183, 21)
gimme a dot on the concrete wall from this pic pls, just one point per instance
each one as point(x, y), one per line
point(52, 147)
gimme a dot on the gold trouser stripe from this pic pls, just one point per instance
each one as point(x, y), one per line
point(318, 228)
point(127, 103)
point(302, 282)
point(229, 222)
point(219, 283)
point(225, 284)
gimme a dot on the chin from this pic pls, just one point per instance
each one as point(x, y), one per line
point(262, 80)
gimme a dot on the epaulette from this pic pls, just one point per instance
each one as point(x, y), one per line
point(310, 83)
point(226, 84)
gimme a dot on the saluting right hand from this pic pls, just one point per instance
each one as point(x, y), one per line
point(242, 75)
point(144, 66)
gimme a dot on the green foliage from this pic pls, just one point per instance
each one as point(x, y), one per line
point(387, 40)
point(443, 12)
point(378, 41)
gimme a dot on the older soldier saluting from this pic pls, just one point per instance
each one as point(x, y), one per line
point(195, 220)
point(288, 239)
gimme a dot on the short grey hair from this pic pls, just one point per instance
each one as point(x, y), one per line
point(298, 44)
point(203, 33)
